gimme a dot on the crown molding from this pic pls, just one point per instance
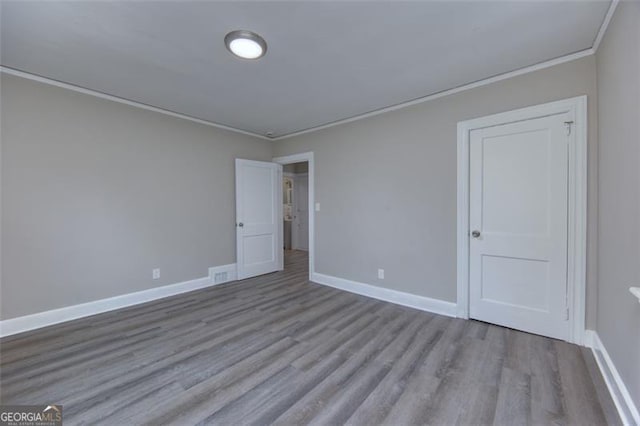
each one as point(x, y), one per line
point(479, 83)
point(442, 94)
point(605, 24)
point(79, 89)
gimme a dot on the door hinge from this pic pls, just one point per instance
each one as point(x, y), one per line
point(568, 125)
point(566, 314)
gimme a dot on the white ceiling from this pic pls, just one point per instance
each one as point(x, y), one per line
point(326, 61)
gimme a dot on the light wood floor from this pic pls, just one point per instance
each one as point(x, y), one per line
point(278, 349)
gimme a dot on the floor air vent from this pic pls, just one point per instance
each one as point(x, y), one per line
point(220, 277)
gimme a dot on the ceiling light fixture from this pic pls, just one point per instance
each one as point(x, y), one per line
point(245, 44)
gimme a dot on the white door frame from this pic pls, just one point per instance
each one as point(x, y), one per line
point(577, 208)
point(298, 158)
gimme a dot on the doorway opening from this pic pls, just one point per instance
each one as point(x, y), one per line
point(297, 211)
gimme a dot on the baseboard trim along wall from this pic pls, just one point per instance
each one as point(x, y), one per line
point(17, 325)
point(393, 296)
point(627, 409)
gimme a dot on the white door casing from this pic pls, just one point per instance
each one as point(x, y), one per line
point(518, 221)
point(301, 200)
point(575, 112)
point(309, 158)
point(258, 219)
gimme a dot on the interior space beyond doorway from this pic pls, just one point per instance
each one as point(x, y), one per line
point(295, 198)
point(298, 203)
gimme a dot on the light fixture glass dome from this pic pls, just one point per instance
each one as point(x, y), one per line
point(245, 44)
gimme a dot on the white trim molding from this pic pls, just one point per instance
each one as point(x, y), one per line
point(422, 303)
point(576, 108)
point(422, 99)
point(444, 93)
point(21, 324)
point(629, 413)
point(605, 25)
point(79, 89)
point(299, 158)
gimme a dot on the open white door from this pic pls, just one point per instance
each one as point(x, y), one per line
point(258, 218)
point(518, 221)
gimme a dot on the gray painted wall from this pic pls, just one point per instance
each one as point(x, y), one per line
point(387, 184)
point(618, 68)
point(96, 194)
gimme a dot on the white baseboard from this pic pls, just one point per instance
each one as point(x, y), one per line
point(398, 297)
point(43, 319)
point(619, 393)
point(589, 336)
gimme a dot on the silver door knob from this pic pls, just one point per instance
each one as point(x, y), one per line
point(475, 234)
point(241, 224)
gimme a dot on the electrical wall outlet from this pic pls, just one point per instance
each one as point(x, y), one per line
point(381, 274)
point(155, 273)
point(317, 207)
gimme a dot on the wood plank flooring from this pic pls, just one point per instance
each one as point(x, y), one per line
point(277, 349)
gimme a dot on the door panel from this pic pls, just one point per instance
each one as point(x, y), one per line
point(258, 227)
point(518, 202)
point(513, 282)
point(514, 169)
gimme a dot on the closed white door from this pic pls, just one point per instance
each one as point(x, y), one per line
point(518, 222)
point(258, 220)
point(302, 212)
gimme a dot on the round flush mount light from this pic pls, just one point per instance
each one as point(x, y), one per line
point(245, 44)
